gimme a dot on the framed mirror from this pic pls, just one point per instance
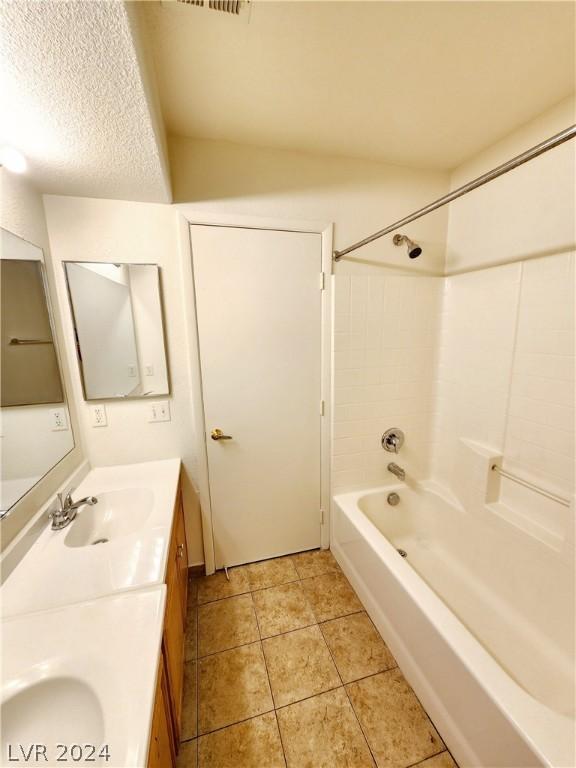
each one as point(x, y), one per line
point(117, 314)
point(35, 431)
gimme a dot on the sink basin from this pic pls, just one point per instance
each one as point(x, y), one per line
point(83, 674)
point(117, 513)
point(118, 544)
point(59, 710)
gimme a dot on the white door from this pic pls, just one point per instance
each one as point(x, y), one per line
point(258, 303)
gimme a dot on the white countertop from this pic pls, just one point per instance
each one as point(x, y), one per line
point(135, 510)
point(83, 674)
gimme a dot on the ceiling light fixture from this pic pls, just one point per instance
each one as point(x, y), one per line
point(12, 159)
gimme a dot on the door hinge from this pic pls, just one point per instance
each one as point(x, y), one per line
point(321, 516)
point(321, 407)
point(322, 280)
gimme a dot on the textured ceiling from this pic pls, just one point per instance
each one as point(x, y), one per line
point(76, 102)
point(422, 84)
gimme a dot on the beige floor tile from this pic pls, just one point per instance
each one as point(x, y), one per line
point(397, 728)
point(322, 732)
point(191, 640)
point(331, 596)
point(357, 648)
point(252, 744)
point(192, 592)
point(443, 760)
point(281, 609)
point(270, 573)
point(226, 624)
point(189, 702)
point(315, 563)
point(217, 586)
point(299, 665)
point(188, 755)
point(233, 686)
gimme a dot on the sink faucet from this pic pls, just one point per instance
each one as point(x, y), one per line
point(396, 470)
point(67, 510)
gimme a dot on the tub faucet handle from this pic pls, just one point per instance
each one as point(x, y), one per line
point(393, 440)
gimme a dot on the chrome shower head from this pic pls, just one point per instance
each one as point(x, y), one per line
point(414, 249)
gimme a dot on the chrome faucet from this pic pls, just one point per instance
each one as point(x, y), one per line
point(396, 470)
point(67, 509)
point(393, 440)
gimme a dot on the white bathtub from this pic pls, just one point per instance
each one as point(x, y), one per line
point(479, 616)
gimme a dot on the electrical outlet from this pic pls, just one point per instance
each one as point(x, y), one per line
point(132, 371)
point(159, 411)
point(98, 415)
point(58, 420)
point(149, 370)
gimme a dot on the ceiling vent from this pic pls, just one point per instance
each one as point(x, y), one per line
point(233, 7)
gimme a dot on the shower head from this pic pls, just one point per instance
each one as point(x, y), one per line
point(414, 249)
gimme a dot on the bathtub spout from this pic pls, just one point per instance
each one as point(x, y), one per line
point(396, 470)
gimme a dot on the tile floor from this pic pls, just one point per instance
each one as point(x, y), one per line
point(284, 669)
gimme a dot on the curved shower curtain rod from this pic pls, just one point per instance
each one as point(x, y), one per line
point(530, 154)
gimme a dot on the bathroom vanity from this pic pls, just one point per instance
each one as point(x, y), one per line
point(94, 617)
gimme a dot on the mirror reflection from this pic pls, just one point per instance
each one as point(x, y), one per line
point(117, 315)
point(35, 425)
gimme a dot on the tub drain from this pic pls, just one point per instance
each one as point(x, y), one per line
point(100, 541)
point(402, 552)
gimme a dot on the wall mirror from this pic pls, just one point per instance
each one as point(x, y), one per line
point(117, 313)
point(35, 431)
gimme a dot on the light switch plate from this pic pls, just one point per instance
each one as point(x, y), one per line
point(159, 411)
point(58, 419)
point(98, 416)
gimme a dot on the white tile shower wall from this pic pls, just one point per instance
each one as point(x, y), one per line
point(475, 367)
point(540, 431)
point(386, 337)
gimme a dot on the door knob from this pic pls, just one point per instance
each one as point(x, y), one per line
point(217, 434)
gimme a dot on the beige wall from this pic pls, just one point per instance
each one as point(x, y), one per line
point(125, 232)
point(360, 197)
point(22, 212)
point(528, 212)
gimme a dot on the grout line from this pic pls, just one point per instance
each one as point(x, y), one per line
point(263, 655)
point(289, 631)
point(307, 698)
point(345, 615)
point(348, 697)
point(270, 586)
point(269, 681)
point(280, 737)
point(272, 637)
point(266, 666)
point(236, 722)
point(421, 762)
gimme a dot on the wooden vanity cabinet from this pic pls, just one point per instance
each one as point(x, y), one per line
point(161, 753)
point(174, 635)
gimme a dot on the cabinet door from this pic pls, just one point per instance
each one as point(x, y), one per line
point(182, 555)
point(174, 652)
point(161, 751)
point(174, 621)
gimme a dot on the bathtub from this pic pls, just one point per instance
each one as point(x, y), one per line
point(478, 614)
